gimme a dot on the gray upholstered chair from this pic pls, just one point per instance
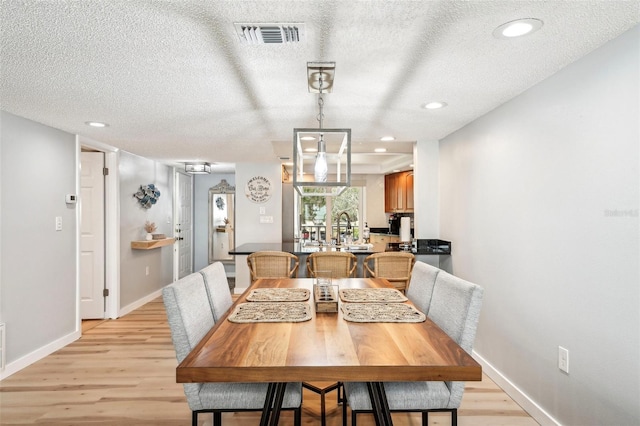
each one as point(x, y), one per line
point(217, 288)
point(423, 279)
point(190, 318)
point(455, 308)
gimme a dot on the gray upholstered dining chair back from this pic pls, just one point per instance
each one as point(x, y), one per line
point(190, 318)
point(190, 315)
point(420, 290)
point(217, 287)
point(455, 308)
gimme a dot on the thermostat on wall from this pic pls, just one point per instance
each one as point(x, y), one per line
point(71, 198)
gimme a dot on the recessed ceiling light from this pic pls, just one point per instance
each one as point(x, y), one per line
point(307, 138)
point(387, 138)
point(96, 124)
point(517, 28)
point(396, 170)
point(380, 150)
point(311, 150)
point(434, 105)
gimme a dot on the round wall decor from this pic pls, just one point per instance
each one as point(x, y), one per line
point(258, 189)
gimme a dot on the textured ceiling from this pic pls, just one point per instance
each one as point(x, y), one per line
point(175, 82)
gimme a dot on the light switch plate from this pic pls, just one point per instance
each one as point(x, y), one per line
point(266, 219)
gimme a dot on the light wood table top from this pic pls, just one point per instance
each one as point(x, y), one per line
point(326, 348)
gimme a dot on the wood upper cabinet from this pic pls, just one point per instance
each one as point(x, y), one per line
point(391, 193)
point(408, 187)
point(398, 192)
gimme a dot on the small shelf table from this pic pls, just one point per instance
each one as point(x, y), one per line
point(151, 244)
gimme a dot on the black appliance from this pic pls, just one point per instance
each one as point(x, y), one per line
point(394, 224)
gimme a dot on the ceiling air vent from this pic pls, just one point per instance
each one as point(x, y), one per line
point(270, 33)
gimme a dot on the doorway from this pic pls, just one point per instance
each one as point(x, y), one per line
point(183, 213)
point(92, 235)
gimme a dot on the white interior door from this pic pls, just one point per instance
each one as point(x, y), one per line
point(184, 224)
point(92, 235)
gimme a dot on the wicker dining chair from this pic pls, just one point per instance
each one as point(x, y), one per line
point(341, 264)
point(395, 266)
point(272, 264)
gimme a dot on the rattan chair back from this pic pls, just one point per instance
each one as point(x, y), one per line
point(395, 266)
point(341, 264)
point(272, 264)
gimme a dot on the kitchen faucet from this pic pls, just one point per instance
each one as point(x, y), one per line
point(348, 224)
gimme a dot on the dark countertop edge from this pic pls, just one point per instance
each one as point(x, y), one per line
point(295, 248)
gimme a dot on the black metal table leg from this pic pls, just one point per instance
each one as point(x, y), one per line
point(273, 404)
point(268, 403)
point(379, 404)
point(277, 405)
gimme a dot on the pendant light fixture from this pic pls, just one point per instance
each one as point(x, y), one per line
point(326, 168)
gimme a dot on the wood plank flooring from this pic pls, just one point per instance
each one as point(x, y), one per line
point(122, 372)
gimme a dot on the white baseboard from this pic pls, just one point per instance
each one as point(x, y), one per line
point(38, 354)
point(138, 303)
point(521, 398)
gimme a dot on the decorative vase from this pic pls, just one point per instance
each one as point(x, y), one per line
point(149, 236)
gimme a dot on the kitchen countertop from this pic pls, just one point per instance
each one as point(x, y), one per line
point(435, 246)
point(298, 248)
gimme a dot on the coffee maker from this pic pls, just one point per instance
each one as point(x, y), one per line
point(394, 224)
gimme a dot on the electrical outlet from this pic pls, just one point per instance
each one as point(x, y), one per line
point(263, 210)
point(58, 223)
point(146, 270)
point(563, 359)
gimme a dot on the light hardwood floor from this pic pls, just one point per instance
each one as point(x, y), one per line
point(122, 372)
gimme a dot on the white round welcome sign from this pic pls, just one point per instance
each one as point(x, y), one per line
point(258, 189)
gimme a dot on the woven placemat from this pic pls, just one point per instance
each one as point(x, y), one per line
point(381, 312)
point(379, 295)
point(271, 312)
point(279, 295)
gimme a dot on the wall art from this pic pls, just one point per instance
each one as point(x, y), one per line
point(147, 195)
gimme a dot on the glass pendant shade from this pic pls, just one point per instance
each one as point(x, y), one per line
point(320, 168)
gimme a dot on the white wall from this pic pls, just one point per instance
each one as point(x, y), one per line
point(426, 218)
point(39, 264)
point(201, 186)
point(135, 285)
point(540, 198)
point(248, 226)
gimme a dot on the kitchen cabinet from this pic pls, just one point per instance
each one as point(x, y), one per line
point(398, 192)
point(384, 238)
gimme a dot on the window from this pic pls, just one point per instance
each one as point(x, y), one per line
point(312, 220)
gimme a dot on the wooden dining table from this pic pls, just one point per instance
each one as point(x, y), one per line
point(325, 348)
